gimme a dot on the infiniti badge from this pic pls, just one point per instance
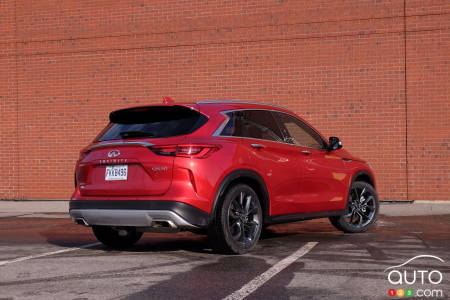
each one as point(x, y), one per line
point(113, 153)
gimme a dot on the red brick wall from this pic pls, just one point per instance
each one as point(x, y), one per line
point(342, 64)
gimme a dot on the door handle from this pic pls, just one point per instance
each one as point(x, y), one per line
point(306, 152)
point(258, 146)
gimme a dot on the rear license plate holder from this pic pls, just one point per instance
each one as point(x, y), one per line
point(116, 172)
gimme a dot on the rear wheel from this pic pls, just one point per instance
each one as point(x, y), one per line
point(116, 238)
point(362, 209)
point(237, 225)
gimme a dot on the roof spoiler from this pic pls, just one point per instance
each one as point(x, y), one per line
point(168, 101)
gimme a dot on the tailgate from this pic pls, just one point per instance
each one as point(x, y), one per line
point(126, 169)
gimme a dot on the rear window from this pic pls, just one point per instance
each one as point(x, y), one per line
point(151, 122)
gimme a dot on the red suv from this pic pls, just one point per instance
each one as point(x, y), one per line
point(224, 168)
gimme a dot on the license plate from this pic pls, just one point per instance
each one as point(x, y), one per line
point(116, 172)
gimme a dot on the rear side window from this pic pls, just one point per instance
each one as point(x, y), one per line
point(258, 124)
point(151, 122)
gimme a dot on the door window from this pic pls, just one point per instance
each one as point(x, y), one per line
point(257, 124)
point(298, 133)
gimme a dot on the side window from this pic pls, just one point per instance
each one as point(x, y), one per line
point(258, 124)
point(298, 133)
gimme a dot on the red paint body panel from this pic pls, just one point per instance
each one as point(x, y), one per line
point(296, 182)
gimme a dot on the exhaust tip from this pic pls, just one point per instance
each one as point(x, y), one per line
point(81, 221)
point(164, 224)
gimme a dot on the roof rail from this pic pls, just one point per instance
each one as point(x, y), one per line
point(240, 101)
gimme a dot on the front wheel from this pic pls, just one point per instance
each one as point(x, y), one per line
point(237, 224)
point(362, 209)
point(116, 238)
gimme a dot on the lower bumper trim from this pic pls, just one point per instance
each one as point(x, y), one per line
point(138, 213)
point(134, 218)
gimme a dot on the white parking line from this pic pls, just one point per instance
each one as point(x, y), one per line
point(258, 281)
point(6, 262)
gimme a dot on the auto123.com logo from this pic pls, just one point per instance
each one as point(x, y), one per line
point(411, 281)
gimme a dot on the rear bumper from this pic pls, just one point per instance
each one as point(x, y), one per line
point(138, 213)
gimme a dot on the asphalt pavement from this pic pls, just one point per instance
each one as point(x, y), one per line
point(43, 255)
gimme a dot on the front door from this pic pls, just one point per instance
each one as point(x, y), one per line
point(323, 179)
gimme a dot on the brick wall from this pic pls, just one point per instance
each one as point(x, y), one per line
point(375, 73)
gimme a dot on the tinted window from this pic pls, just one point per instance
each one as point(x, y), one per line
point(151, 122)
point(258, 124)
point(298, 133)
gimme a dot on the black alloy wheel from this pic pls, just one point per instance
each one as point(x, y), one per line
point(238, 221)
point(362, 209)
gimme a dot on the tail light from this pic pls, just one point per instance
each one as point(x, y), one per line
point(190, 151)
point(81, 174)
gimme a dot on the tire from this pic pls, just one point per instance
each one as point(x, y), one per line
point(361, 211)
point(238, 220)
point(111, 237)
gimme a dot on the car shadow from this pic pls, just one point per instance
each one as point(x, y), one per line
point(66, 234)
point(70, 235)
point(212, 280)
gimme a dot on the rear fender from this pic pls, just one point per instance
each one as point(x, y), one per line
point(245, 176)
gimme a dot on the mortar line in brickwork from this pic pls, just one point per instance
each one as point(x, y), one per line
point(219, 43)
point(221, 28)
point(16, 62)
point(406, 100)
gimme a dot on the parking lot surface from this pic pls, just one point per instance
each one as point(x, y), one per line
point(46, 256)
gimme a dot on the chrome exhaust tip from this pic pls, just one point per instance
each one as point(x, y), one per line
point(81, 221)
point(163, 224)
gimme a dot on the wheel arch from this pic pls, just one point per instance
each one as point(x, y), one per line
point(365, 176)
point(252, 179)
point(361, 175)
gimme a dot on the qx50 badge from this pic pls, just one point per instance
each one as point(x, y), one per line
point(113, 153)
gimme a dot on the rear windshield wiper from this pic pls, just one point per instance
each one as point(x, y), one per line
point(131, 134)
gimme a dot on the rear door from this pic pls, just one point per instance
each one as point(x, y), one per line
point(124, 161)
point(275, 160)
point(323, 178)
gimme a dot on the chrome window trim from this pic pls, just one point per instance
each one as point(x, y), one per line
point(143, 144)
point(224, 123)
point(283, 143)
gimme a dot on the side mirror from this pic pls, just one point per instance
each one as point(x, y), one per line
point(334, 143)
